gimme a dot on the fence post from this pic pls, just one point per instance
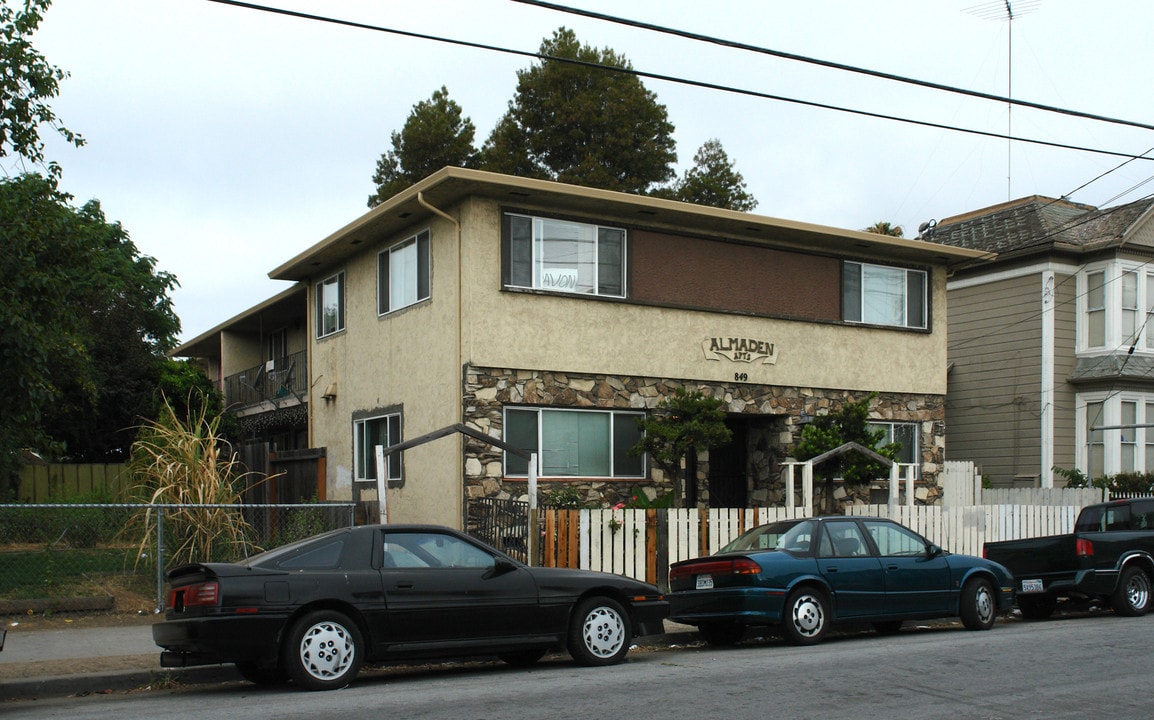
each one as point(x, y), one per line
point(159, 559)
point(533, 535)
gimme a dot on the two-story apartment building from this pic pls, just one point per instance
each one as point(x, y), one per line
point(552, 316)
point(1050, 351)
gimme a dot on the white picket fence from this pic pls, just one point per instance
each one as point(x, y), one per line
point(620, 541)
point(965, 529)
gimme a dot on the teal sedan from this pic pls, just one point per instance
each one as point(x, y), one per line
point(806, 575)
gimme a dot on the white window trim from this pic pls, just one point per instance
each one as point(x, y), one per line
point(1112, 438)
point(1113, 270)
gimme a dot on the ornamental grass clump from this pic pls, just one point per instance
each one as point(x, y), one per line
point(187, 464)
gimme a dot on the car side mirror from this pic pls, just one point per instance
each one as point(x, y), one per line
point(500, 567)
point(933, 550)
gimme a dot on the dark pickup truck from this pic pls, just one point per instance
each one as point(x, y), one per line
point(1110, 557)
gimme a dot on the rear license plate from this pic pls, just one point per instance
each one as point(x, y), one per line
point(704, 582)
point(1032, 586)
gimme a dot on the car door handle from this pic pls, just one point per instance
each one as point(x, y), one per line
point(831, 568)
point(404, 585)
point(891, 567)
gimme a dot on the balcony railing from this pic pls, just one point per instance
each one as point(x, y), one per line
point(282, 380)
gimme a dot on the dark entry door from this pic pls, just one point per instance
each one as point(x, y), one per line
point(729, 468)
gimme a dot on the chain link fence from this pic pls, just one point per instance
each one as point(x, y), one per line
point(52, 555)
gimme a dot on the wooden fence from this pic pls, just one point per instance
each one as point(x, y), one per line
point(51, 483)
point(643, 543)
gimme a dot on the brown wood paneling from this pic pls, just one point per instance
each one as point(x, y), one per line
point(694, 272)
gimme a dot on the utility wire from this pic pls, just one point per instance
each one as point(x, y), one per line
point(829, 64)
point(669, 78)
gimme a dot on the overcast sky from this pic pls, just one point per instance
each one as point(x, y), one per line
point(226, 140)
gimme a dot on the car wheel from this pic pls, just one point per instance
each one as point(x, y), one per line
point(888, 627)
point(323, 651)
point(979, 607)
point(261, 675)
point(1132, 596)
point(522, 658)
point(1037, 607)
point(599, 632)
point(806, 617)
point(721, 634)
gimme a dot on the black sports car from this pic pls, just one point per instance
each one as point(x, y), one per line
point(314, 611)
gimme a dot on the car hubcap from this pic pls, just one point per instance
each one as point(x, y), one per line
point(327, 651)
point(604, 632)
point(985, 604)
point(807, 615)
point(1138, 592)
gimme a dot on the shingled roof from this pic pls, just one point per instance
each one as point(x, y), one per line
point(1013, 226)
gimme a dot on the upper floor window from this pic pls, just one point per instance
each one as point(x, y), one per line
point(882, 295)
point(581, 443)
point(564, 256)
point(330, 294)
point(1116, 301)
point(368, 433)
point(403, 274)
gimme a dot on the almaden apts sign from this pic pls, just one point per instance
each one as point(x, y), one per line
point(735, 349)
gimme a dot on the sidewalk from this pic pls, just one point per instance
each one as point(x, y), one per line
point(88, 657)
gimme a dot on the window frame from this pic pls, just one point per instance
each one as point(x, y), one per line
point(1103, 309)
point(422, 269)
point(511, 464)
point(514, 257)
point(890, 427)
point(337, 279)
point(1115, 449)
point(854, 309)
point(394, 466)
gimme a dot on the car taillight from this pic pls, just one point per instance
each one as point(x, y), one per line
point(1084, 548)
point(205, 594)
point(717, 568)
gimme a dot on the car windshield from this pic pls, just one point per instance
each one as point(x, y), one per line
point(791, 535)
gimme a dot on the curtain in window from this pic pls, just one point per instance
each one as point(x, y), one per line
point(575, 443)
point(883, 295)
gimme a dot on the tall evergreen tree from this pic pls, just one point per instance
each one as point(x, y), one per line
point(583, 125)
point(436, 134)
point(713, 180)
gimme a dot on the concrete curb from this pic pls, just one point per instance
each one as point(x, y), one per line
point(113, 682)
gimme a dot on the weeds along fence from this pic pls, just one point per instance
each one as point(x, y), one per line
point(51, 555)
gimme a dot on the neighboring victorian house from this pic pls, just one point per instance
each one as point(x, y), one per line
point(552, 316)
point(1050, 351)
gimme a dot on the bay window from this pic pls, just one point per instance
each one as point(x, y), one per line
point(1116, 300)
point(1113, 433)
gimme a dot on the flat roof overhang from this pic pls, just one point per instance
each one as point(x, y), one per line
point(447, 186)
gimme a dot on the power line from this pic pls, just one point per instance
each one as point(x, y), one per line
point(669, 78)
point(830, 64)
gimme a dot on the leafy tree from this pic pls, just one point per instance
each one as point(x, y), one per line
point(583, 125)
point(27, 83)
point(713, 180)
point(885, 228)
point(683, 424)
point(435, 135)
point(84, 320)
point(832, 430)
point(183, 387)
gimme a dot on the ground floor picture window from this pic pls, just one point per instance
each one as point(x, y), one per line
point(574, 443)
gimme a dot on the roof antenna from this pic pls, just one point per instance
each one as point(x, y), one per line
point(1002, 10)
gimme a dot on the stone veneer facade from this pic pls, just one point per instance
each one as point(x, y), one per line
point(488, 390)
